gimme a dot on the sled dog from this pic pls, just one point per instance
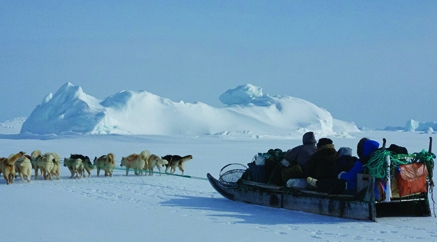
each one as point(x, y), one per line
point(8, 167)
point(24, 167)
point(75, 165)
point(106, 163)
point(136, 162)
point(157, 161)
point(56, 170)
point(176, 161)
point(33, 157)
point(87, 165)
point(45, 163)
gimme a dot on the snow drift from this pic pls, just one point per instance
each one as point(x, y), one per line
point(249, 111)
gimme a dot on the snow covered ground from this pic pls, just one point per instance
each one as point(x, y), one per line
point(163, 207)
point(174, 208)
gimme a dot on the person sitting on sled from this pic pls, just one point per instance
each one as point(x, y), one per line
point(347, 180)
point(300, 154)
point(365, 148)
point(321, 164)
point(294, 158)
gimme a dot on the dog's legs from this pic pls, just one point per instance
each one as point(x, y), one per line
point(43, 174)
point(159, 168)
point(29, 173)
point(181, 168)
point(36, 173)
point(6, 176)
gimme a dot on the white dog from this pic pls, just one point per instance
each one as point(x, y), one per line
point(24, 168)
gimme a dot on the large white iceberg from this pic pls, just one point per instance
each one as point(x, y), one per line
point(70, 110)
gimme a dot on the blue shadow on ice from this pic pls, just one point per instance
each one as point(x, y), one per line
point(250, 213)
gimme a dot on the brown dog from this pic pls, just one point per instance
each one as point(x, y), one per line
point(8, 167)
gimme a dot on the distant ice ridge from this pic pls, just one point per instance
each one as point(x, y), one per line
point(249, 111)
point(12, 126)
point(413, 125)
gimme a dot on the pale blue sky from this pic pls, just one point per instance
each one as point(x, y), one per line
point(370, 62)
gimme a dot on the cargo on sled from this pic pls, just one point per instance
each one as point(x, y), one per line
point(397, 186)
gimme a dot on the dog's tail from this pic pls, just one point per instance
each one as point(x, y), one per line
point(13, 158)
point(186, 158)
point(110, 158)
point(145, 155)
point(55, 157)
point(162, 162)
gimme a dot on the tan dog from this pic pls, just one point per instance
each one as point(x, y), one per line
point(99, 163)
point(176, 161)
point(136, 162)
point(24, 167)
point(56, 170)
point(157, 161)
point(106, 163)
point(8, 167)
point(33, 157)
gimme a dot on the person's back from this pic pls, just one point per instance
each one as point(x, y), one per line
point(364, 149)
point(321, 164)
point(300, 154)
point(345, 161)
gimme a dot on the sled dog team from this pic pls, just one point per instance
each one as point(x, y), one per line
point(49, 164)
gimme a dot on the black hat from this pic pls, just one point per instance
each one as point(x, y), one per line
point(324, 141)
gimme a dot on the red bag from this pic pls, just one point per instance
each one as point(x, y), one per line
point(411, 179)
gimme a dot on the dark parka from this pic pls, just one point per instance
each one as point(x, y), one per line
point(321, 164)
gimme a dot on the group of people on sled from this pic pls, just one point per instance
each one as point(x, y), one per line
point(325, 168)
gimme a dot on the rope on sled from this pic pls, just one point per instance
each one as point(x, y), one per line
point(377, 167)
point(376, 164)
point(428, 159)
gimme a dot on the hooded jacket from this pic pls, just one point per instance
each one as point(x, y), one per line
point(300, 154)
point(368, 147)
point(345, 161)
